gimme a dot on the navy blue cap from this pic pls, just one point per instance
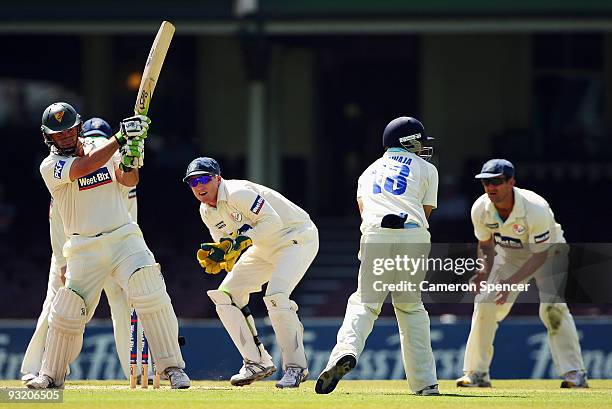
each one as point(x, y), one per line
point(495, 168)
point(97, 127)
point(202, 166)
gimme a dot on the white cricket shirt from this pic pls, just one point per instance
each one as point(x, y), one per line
point(400, 182)
point(530, 227)
point(91, 204)
point(256, 211)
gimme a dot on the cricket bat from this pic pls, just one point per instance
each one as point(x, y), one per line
point(153, 67)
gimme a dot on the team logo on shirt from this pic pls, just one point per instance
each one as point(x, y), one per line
point(132, 194)
point(244, 228)
point(98, 178)
point(505, 241)
point(220, 225)
point(257, 204)
point(59, 167)
point(237, 216)
point(518, 228)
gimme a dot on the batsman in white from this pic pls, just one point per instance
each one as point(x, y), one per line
point(519, 238)
point(280, 242)
point(117, 298)
point(83, 177)
point(395, 194)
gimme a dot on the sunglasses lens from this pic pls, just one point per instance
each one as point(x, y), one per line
point(204, 179)
point(494, 181)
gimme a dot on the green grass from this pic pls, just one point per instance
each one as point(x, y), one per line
point(528, 394)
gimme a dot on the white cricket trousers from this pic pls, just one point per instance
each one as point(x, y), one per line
point(118, 254)
point(120, 314)
point(562, 334)
point(364, 306)
point(282, 268)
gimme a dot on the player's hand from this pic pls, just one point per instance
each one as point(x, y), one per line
point(477, 279)
point(502, 296)
point(132, 154)
point(133, 127)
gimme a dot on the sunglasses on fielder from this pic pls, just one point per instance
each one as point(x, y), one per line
point(493, 181)
point(203, 179)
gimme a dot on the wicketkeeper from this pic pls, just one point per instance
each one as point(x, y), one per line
point(278, 242)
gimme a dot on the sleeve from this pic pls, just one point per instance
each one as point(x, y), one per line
point(266, 222)
point(131, 201)
point(215, 234)
point(360, 187)
point(55, 171)
point(431, 194)
point(364, 182)
point(58, 236)
point(481, 231)
point(539, 224)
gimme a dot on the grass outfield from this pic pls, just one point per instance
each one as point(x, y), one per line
point(527, 394)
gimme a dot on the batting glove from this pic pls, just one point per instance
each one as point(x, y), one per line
point(132, 154)
point(133, 127)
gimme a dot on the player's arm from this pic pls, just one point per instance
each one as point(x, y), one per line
point(63, 275)
point(129, 179)
point(266, 222)
point(531, 265)
point(92, 161)
point(134, 128)
point(430, 200)
point(360, 206)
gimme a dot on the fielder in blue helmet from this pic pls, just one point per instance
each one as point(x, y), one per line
point(96, 127)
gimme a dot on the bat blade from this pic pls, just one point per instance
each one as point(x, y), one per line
point(153, 67)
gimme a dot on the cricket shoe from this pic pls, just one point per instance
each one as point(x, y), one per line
point(43, 382)
point(177, 377)
point(431, 390)
point(575, 379)
point(329, 378)
point(293, 376)
point(28, 377)
point(475, 379)
point(251, 372)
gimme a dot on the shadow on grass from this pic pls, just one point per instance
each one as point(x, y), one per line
point(452, 395)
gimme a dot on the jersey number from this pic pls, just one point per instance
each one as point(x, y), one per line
point(395, 184)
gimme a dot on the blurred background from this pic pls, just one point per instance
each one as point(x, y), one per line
point(295, 95)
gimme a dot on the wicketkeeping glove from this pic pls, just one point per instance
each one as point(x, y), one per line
point(225, 253)
point(209, 266)
point(133, 127)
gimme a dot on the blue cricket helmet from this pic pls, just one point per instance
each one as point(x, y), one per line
point(408, 133)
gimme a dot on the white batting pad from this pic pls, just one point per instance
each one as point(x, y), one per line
point(240, 328)
point(67, 320)
point(147, 292)
point(288, 329)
